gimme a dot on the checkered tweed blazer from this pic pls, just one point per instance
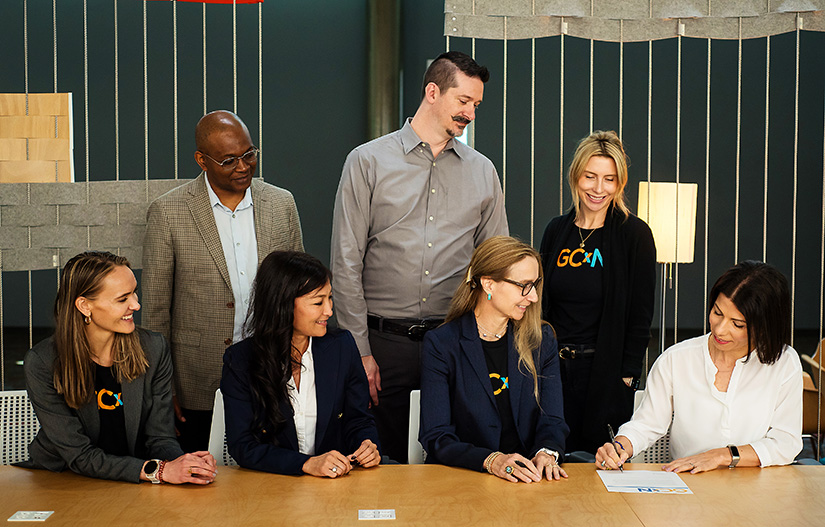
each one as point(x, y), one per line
point(187, 295)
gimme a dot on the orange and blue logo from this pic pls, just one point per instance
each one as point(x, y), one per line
point(108, 400)
point(579, 257)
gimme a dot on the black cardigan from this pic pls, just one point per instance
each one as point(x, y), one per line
point(628, 293)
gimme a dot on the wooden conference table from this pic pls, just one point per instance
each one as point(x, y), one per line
point(421, 495)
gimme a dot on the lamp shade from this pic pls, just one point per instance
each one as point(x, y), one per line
point(672, 220)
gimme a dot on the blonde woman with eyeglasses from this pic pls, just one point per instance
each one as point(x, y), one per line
point(490, 387)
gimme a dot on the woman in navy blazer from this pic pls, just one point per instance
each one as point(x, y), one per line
point(490, 375)
point(296, 397)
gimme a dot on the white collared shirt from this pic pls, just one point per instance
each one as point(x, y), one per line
point(762, 407)
point(240, 249)
point(305, 404)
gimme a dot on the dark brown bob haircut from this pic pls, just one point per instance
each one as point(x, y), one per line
point(760, 292)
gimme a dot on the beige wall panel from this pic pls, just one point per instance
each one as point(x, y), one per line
point(39, 150)
point(12, 149)
point(49, 150)
point(35, 172)
point(39, 103)
point(40, 126)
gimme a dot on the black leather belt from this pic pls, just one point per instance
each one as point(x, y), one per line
point(411, 328)
point(574, 351)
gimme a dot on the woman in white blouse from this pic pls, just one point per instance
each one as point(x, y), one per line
point(732, 397)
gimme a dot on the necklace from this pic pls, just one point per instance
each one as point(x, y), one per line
point(584, 239)
point(485, 331)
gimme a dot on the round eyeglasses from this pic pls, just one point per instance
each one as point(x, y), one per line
point(231, 162)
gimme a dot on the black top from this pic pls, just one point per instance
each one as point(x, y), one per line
point(109, 397)
point(576, 287)
point(628, 288)
point(495, 352)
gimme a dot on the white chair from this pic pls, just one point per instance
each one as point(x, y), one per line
point(658, 452)
point(18, 426)
point(415, 452)
point(217, 435)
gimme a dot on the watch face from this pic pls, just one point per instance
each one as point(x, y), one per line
point(150, 467)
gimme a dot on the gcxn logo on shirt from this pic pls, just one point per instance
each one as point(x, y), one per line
point(578, 257)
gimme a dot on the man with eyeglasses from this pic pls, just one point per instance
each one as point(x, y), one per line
point(411, 207)
point(204, 241)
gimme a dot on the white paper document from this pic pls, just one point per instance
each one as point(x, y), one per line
point(644, 482)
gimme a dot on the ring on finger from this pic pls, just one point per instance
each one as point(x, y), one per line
point(334, 469)
point(604, 461)
point(509, 469)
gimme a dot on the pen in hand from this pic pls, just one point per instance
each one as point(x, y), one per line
point(613, 442)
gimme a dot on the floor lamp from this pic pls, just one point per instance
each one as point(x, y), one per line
point(670, 211)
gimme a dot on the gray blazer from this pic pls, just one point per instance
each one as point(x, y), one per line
point(68, 437)
point(187, 296)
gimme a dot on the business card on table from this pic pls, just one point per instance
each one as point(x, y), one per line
point(30, 516)
point(376, 514)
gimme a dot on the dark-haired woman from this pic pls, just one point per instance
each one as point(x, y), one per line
point(732, 397)
point(296, 396)
point(101, 390)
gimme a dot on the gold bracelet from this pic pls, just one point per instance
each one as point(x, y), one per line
point(488, 463)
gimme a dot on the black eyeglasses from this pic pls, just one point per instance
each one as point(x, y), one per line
point(232, 161)
point(525, 288)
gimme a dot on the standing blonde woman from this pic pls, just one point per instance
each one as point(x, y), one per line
point(101, 389)
point(600, 269)
point(490, 387)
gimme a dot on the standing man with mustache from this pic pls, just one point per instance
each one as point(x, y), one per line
point(411, 207)
point(204, 242)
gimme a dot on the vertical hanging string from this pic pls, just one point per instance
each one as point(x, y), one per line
point(117, 106)
point(649, 156)
point(707, 194)
point(260, 90)
point(235, 55)
point(28, 272)
point(471, 138)
point(54, 38)
point(532, 140)
point(204, 58)
point(738, 147)
point(795, 173)
point(621, 77)
point(175, 81)
point(821, 304)
point(561, 114)
point(54, 59)
point(26, 60)
point(591, 71)
point(145, 106)
point(678, 167)
point(504, 121)
point(447, 43)
point(767, 119)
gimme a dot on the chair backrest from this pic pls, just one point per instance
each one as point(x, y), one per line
point(813, 401)
point(415, 452)
point(658, 452)
point(217, 435)
point(18, 426)
point(811, 364)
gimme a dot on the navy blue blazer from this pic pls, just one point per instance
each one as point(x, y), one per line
point(342, 394)
point(460, 424)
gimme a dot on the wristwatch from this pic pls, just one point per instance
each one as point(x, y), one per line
point(151, 469)
point(550, 453)
point(734, 456)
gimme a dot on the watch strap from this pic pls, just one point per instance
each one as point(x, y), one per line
point(734, 456)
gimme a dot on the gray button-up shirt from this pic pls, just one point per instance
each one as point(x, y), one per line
point(405, 225)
